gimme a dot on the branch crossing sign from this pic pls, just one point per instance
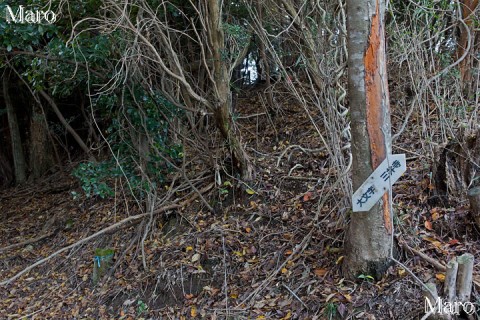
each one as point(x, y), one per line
point(385, 175)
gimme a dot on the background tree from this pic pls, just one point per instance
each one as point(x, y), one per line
point(19, 162)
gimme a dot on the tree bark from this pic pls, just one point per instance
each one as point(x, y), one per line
point(467, 37)
point(17, 148)
point(41, 150)
point(368, 240)
point(474, 199)
point(266, 65)
point(221, 107)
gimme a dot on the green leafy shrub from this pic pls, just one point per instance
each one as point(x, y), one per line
point(141, 115)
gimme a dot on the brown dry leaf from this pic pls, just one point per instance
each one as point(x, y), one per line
point(319, 272)
point(433, 241)
point(428, 225)
point(435, 214)
point(347, 297)
point(307, 196)
point(453, 242)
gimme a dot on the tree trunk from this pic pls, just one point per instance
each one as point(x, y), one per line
point(69, 128)
point(17, 148)
point(41, 150)
point(221, 108)
point(266, 65)
point(369, 236)
point(467, 36)
point(6, 174)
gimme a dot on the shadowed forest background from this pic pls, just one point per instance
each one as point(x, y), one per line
point(193, 159)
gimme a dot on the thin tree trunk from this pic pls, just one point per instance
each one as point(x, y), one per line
point(266, 65)
point(222, 91)
point(69, 128)
point(17, 148)
point(467, 35)
point(369, 236)
point(41, 150)
point(309, 42)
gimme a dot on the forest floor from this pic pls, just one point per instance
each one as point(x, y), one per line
point(273, 251)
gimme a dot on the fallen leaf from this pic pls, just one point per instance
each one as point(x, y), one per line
point(347, 297)
point(333, 249)
point(428, 225)
point(196, 257)
point(436, 243)
point(440, 277)
point(250, 191)
point(435, 214)
point(342, 310)
point(330, 296)
point(307, 196)
point(320, 272)
point(453, 242)
point(193, 312)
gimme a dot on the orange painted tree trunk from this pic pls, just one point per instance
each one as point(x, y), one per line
point(368, 240)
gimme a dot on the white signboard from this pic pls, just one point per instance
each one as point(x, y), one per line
point(386, 174)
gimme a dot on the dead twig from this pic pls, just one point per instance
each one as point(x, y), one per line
point(29, 241)
point(295, 254)
point(84, 240)
point(425, 257)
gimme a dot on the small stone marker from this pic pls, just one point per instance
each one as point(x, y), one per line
point(386, 174)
